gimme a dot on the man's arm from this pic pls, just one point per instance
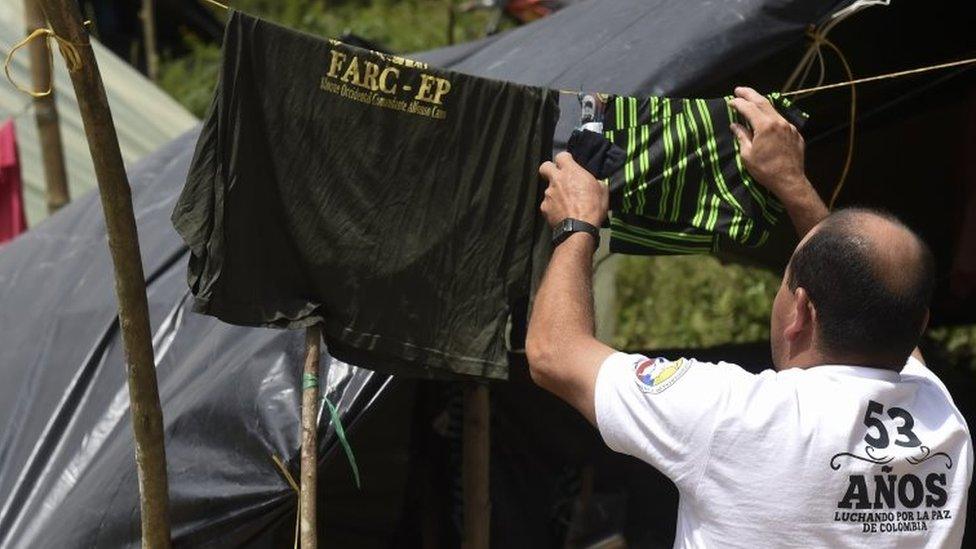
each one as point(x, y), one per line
point(564, 356)
point(772, 151)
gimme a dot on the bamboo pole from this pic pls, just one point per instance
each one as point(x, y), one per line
point(148, 16)
point(310, 408)
point(46, 114)
point(130, 283)
point(475, 460)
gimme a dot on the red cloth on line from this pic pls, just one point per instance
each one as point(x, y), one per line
point(12, 218)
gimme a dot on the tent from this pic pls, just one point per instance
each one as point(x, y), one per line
point(230, 394)
point(145, 116)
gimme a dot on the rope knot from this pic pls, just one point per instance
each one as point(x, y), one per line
point(815, 35)
point(68, 49)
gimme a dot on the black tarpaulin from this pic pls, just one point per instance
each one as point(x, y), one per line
point(633, 47)
point(230, 395)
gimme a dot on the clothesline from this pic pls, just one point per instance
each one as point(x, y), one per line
point(898, 74)
point(886, 76)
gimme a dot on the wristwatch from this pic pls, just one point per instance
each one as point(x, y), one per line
point(569, 226)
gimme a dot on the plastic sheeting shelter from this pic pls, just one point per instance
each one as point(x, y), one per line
point(145, 117)
point(230, 394)
point(914, 136)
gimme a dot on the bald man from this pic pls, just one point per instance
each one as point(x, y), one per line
point(849, 441)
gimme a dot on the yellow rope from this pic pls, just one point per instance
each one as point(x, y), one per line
point(294, 485)
point(850, 133)
point(285, 473)
point(73, 59)
point(887, 76)
point(69, 50)
point(851, 82)
point(218, 4)
point(819, 38)
point(805, 90)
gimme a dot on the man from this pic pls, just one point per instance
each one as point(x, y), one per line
point(850, 441)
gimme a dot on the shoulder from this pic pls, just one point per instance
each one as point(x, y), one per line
point(664, 410)
point(646, 375)
point(916, 370)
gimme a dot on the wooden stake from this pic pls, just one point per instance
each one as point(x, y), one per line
point(148, 16)
point(475, 460)
point(310, 463)
point(46, 114)
point(130, 282)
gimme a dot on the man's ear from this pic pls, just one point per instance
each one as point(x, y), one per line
point(803, 317)
point(925, 321)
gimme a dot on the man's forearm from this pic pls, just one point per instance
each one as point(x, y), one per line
point(804, 206)
point(563, 307)
point(564, 356)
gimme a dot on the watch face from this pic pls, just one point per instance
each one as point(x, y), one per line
point(562, 231)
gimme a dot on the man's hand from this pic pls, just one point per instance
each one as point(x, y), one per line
point(772, 151)
point(573, 192)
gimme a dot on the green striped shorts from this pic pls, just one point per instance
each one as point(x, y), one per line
point(683, 183)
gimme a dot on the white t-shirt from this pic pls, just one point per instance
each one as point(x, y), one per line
point(830, 456)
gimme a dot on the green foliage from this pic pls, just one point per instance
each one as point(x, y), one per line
point(959, 343)
point(191, 79)
point(400, 26)
point(695, 301)
point(691, 301)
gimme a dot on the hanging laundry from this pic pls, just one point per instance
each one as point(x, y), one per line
point(395, 203)
point(594, 152)
point(683, 182)
point(12, 218)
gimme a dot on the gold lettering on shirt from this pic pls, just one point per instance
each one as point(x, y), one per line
point(384, 78)
point(335, 63)
point(352, 72)
point(369, 77)
point(386, 81)
point(432, 89)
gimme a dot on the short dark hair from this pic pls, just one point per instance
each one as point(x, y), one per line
point(860, 313)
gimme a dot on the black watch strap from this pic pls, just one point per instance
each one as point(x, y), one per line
point(569, 226)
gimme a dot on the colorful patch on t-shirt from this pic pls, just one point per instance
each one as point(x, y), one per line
point(656, 375)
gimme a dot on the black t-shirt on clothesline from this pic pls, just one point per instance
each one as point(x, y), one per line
point(395, 203)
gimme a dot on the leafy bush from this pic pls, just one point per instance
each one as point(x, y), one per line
point(691, 301)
